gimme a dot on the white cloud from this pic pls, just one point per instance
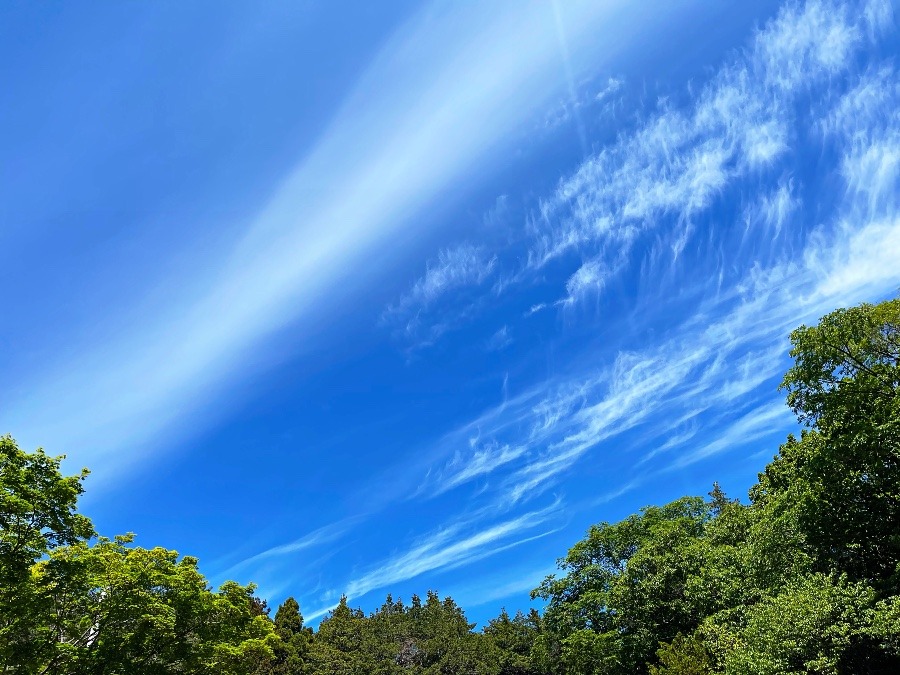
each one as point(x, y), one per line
point(485, 458)
point(534, 309)
point(516, 583)
point(587, 279)
point(678, 162)
point(450, 547)
point(707, 385)
point(663, 178)
point(323, 535)
point(613, 84)
point(500, 340)
point(762, 421)
point(454, 268)
point(710, 364)
point(773, 210)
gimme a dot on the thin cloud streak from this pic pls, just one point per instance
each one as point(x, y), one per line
point(323, 535)
point(385, 155)
point(448, 548)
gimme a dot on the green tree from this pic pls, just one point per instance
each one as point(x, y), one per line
point(292, 649)
point(37, 515)
point(340, 646)
point(626, 590)
point(121, 609)
point(682, 656)
point(443, 638)
point(514, 638)
point(845, 383)
point(809, 627)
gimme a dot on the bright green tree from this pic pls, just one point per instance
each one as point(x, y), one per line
point(121, 609)
point(682, 656)
point(37, 515)
point(626, 590)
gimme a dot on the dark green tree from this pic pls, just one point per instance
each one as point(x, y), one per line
point(514, 638)
point(292, 648)
point(341, 643)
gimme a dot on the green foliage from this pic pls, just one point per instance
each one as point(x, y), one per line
point(884, 625)
point(803, 579)
point(293, 645)
point(514, 639)
point(430, 637)
point(37, 514)
point(70, 607)
point(626, 587)
point(118, 609)
point(807, 627)
point(340, 645)
point(682, 656)
point(846, 384)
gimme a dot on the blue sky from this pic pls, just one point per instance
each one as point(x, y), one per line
point(381, 297)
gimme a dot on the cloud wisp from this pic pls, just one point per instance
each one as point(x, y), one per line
point(453, 271)
point(322, 536)
point(801, 83)
point(458, 544)
point(424, 111)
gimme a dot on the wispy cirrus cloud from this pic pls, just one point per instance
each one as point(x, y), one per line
point(453, 271)
point(484, 459)
point(590, 278)
point(457, 544)
point(733, 245)
point(320, 537)
point(454, 268)
point(423, 113)
point(716, 368)
point(500, 340)
point(514, 584)
point(801, 82)
point(774, 209)
point(674, 166)
point(755, 424)
point(743, 129)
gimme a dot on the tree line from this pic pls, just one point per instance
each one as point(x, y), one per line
point(801, 577)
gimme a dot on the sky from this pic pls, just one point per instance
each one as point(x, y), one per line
point(353, 298)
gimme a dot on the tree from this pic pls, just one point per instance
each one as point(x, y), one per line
point(37, 514)
point(514, 638)
point(626, 589)
point(845, 384)
point(121, 609)
point(809, 627)
point(682, 656)
point(292, 649)
point(341, 643)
